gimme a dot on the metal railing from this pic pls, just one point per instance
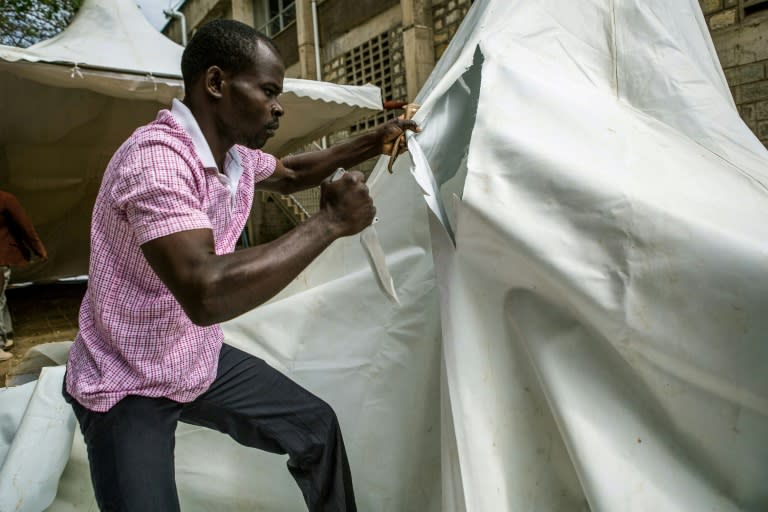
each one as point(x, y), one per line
point(309, 200)
point(291, 206)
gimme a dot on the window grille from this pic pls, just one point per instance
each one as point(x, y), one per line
point(370, 63)
point(278, 13)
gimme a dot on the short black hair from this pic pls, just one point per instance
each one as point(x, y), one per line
point(229, 44)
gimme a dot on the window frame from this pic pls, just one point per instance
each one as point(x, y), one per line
point(263, 21)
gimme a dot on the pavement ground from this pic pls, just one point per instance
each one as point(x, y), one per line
point(41, 313)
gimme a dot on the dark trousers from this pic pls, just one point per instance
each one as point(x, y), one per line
point(130, 447)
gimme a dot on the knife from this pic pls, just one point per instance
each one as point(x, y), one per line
point(369, 239)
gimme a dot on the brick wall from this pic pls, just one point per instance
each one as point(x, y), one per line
point(393, 87)
point(720, 13)
point(741, 41)
point(337, 70)
point(446, 17)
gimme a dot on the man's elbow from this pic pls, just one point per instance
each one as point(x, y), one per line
point(282, 186)
point(200, 304)
point(201, 317)
point(288, 185)
point(289, 180)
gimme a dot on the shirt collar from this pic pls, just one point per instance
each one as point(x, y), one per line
point(233, 168)
point(185, 118)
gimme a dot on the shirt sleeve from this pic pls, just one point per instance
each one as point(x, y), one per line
point(159, 192)
point(263, 164)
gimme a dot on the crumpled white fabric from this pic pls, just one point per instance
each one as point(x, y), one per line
point(36, 428)
point(603, 309)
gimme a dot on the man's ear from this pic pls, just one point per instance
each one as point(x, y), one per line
point(214, 78)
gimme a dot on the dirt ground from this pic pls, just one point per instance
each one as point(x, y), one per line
point(41, 314)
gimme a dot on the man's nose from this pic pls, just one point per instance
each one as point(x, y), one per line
point(277, 109)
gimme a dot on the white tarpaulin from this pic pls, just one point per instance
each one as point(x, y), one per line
point(70, 101)
point(601, 336)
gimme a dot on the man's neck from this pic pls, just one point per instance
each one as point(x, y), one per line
point(207, 123)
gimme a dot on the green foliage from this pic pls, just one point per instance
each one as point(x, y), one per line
point(26, 22)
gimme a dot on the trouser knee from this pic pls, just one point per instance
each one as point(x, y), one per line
point(324, 428)
point(327, 417)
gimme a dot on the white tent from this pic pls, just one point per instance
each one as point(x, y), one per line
point(600, 342)
point(70, 101)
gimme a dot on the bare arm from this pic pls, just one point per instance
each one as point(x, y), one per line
point(213, 288)
point(24, 228)
point(307, 170)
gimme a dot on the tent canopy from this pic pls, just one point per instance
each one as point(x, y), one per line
point(70, 101)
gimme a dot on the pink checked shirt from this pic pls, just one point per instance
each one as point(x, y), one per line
point(134, 337)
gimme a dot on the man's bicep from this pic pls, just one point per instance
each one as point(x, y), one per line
point(180, 260)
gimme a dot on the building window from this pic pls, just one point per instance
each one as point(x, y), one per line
point(273, 16)
point(754, 6)
point(370, 63)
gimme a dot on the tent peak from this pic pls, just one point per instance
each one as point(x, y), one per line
point(113, 35)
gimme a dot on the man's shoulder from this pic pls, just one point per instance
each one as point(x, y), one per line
point(159, 150)
point(158, 139)
point(164, 130)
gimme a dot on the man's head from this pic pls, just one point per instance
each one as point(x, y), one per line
point(236, 74)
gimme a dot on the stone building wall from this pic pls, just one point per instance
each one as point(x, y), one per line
point(372, 53)
point(739, 31)
point(720, 13)
point(446, 18)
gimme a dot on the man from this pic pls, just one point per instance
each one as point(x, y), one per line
point(18, 242)
point(163, 274)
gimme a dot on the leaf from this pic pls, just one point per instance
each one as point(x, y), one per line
point(26, 22)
